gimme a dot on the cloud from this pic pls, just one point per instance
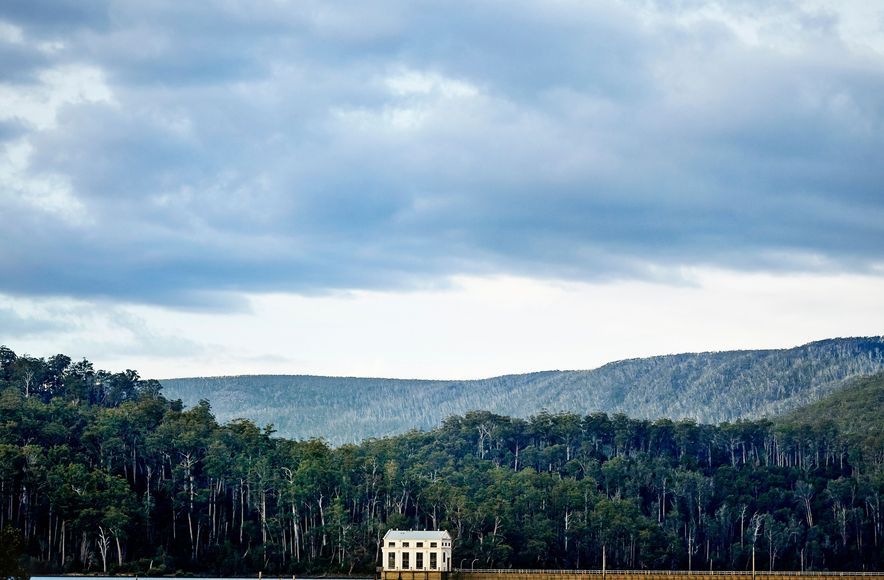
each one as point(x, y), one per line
point(80, 328)
point(10, 130)
point(52, 17)
point(179, 154)
point(16, 325)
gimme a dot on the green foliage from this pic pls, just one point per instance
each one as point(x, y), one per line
point(100, 473)
point(854, 411)
point(710, 387)
point(11, 552)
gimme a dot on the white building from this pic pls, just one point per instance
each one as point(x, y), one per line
point(408, 550)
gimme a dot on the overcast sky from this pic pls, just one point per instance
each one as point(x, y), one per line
point(436, 189)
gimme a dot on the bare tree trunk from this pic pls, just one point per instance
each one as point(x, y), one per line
point(119, 549)
point(263, 515)
point(322, 520)
point(103, 542)
point(29, 377)
point(241, 509)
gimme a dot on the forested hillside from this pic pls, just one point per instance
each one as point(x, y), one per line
point(708, 387)
point(101, 473)
point(856, 409)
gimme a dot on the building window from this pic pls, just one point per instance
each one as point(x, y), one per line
point(432, 544)
point(419, 545)
point(392, 544)
point(404, 544)
point(405, 563)
point(419, 561)
point(443, 557)
point(433, 560)
point(391, 561)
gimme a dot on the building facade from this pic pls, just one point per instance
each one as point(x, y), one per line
point(418, 554)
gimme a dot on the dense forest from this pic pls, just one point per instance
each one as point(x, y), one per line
point(710, 387)
point(857, 410)
point(100, 472)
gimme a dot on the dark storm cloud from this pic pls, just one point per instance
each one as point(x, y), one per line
point(309, 147)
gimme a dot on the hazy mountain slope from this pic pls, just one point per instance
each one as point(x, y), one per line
point(711, 387)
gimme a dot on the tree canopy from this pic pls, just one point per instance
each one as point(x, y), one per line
point(100, 472)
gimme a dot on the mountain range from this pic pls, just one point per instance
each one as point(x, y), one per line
point(710, 387)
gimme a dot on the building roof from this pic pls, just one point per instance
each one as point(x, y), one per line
point(417, 535)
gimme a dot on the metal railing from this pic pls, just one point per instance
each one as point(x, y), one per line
point(747, 573)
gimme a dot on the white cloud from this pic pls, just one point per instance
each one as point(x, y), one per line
point(39, 104)
point(411, 82)
point(47, 193)
point(860, 23)
point(115, 336)
point(11, 33)
point(417, 99)
point(477, 327)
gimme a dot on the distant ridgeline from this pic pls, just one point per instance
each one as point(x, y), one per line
point(710, 387)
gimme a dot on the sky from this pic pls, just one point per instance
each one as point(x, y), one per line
point(436, 189)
